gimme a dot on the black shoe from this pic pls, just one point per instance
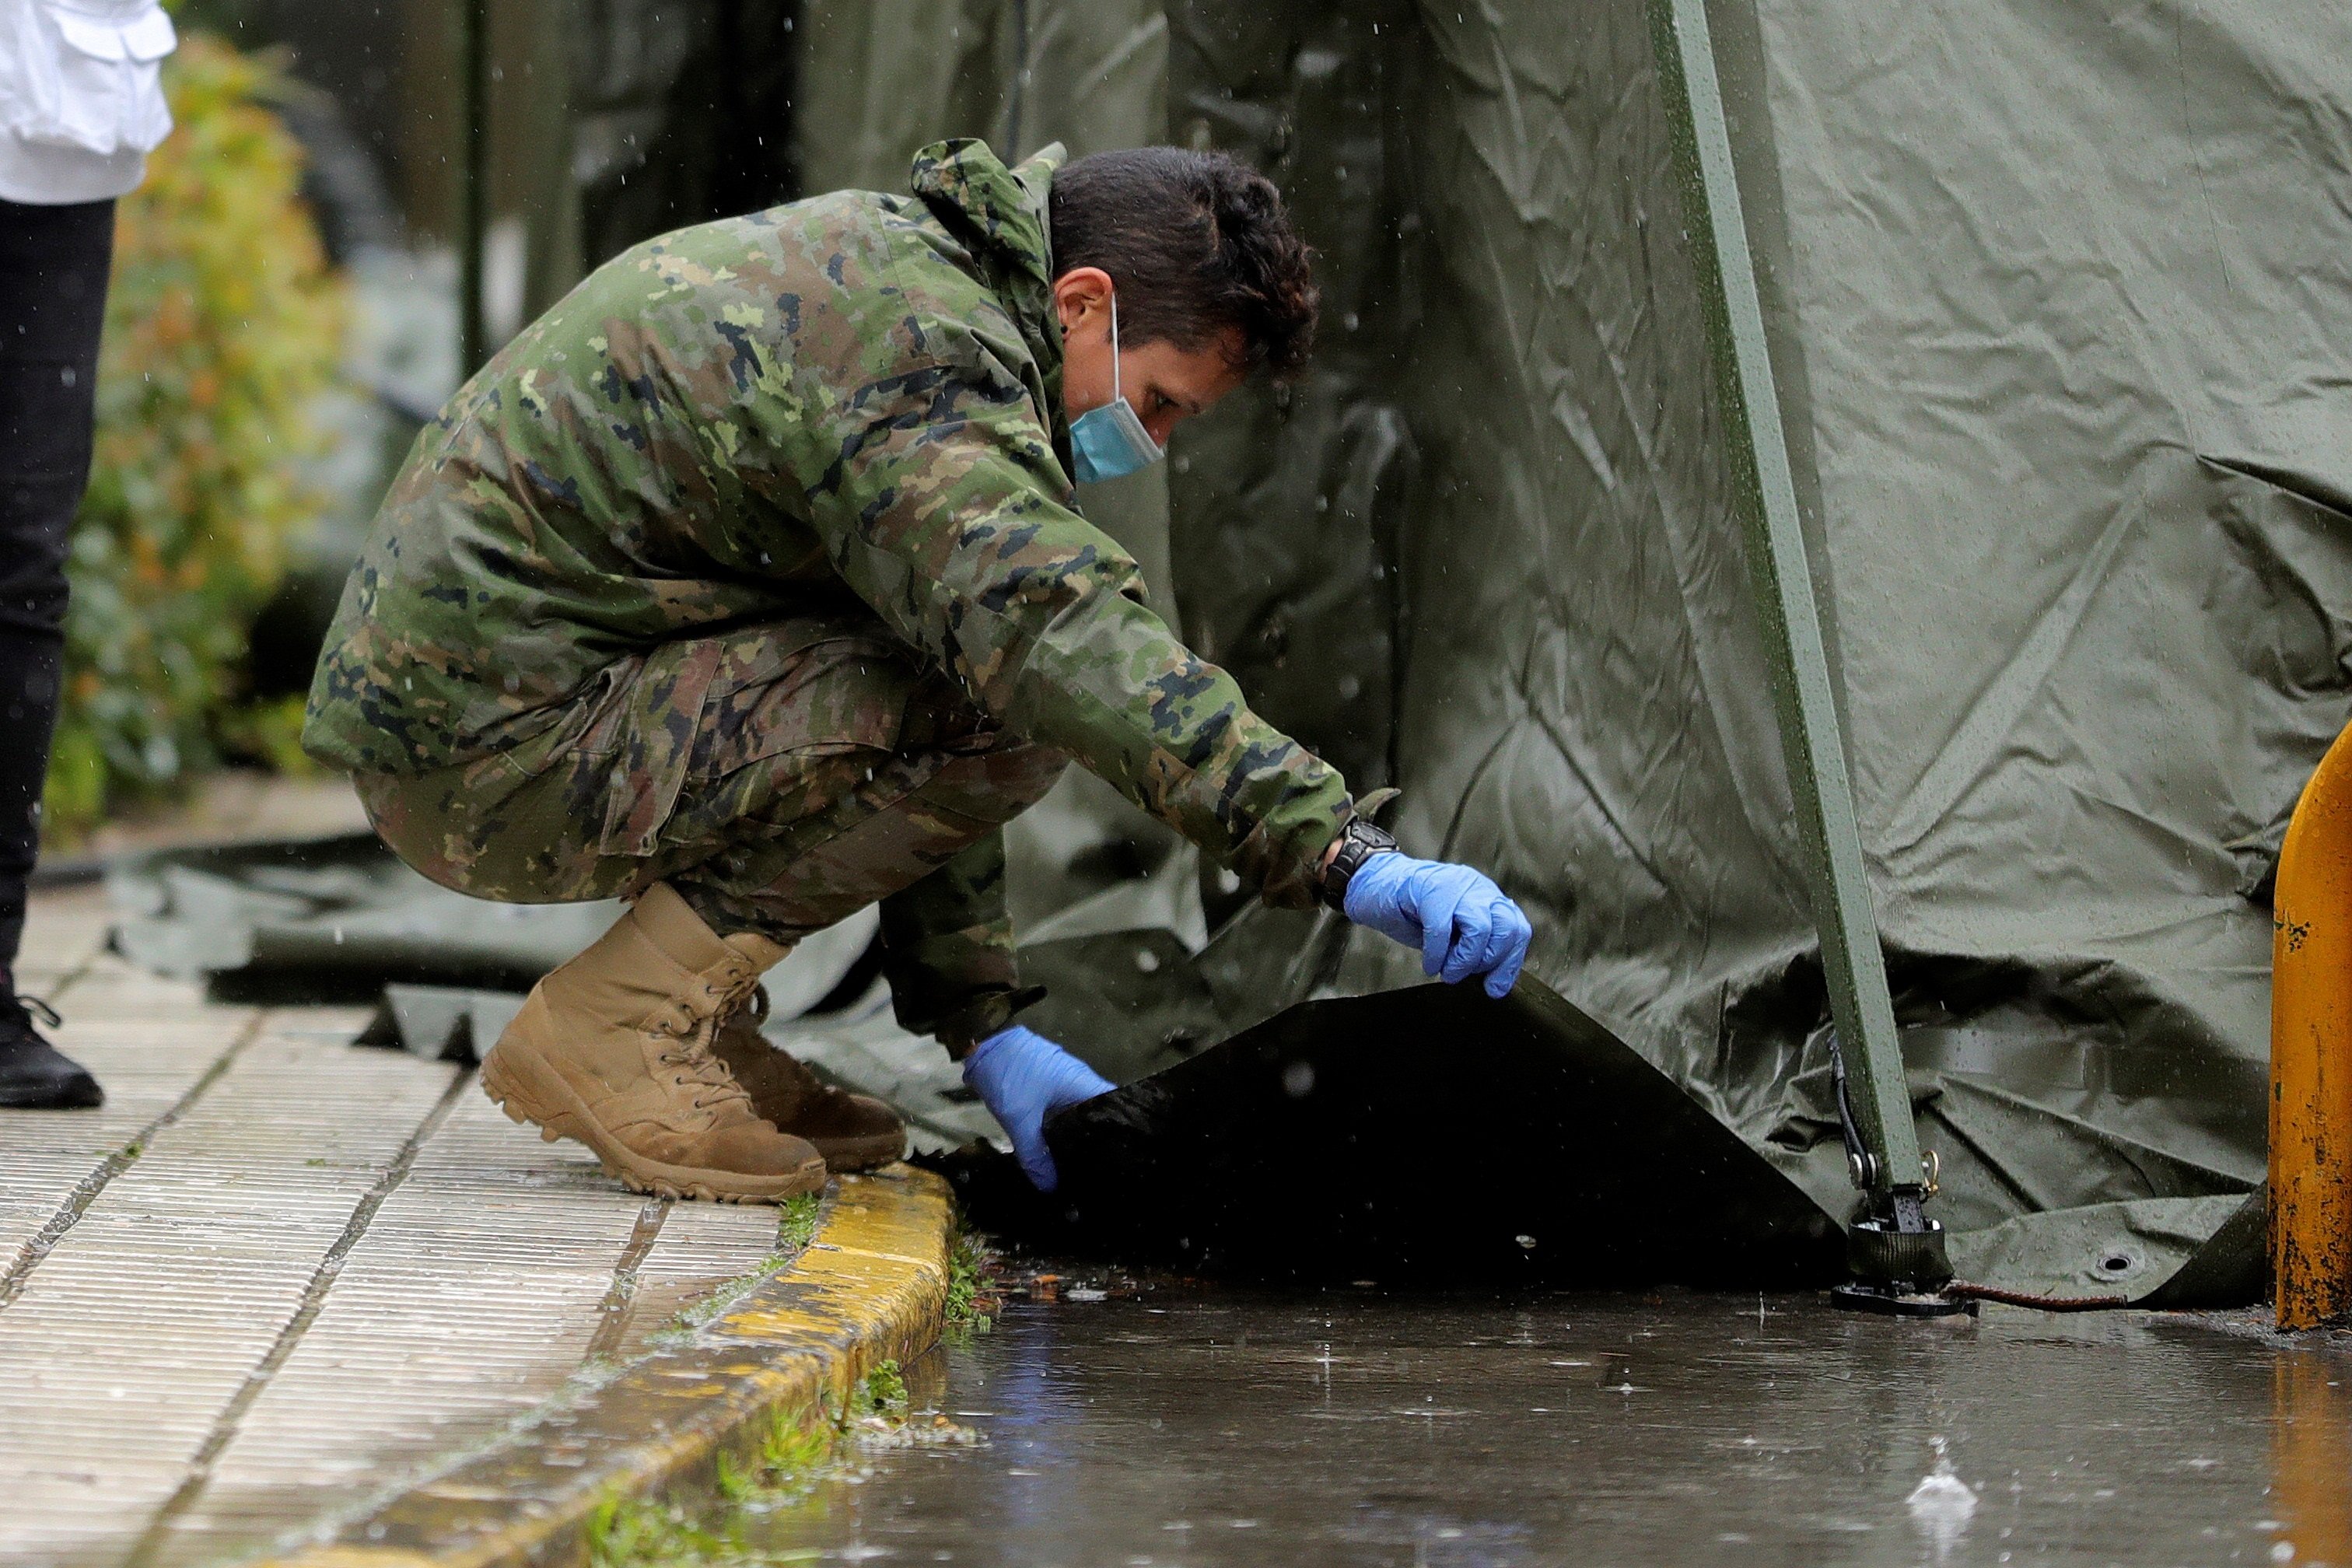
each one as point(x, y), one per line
point(34, 1074)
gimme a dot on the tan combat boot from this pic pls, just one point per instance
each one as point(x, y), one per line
point(853, 1131)
point(614, 1049)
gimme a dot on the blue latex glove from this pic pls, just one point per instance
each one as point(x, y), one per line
point(1021, 1076)
point(1463, 923)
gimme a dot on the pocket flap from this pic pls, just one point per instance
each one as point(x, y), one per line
point(98, 38)
point(150, 36)
point(650, 767)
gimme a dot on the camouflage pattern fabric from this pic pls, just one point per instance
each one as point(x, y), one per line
point(827, 773)
point(847, 410)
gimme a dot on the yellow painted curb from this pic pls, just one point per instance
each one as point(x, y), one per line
point(871, 1286)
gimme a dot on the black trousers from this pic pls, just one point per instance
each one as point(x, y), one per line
point(53, 270)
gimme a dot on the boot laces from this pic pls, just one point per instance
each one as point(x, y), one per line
point(698, 1065)
point(21, 1010)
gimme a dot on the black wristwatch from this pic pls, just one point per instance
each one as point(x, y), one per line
point(1358, 842)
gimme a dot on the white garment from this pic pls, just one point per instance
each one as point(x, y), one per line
point(81, 99)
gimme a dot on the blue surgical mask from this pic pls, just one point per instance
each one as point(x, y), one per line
point(1110, 441)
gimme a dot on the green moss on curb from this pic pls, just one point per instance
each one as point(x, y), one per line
point(882, 1392)
point(967, 1270)
point(796, 1224)
point(794, 1454)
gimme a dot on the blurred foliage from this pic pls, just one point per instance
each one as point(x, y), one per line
point(224, 325)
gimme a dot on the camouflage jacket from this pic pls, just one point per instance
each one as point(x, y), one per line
point(847, 405)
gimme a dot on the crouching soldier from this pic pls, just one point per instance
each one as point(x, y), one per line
point(746, 585)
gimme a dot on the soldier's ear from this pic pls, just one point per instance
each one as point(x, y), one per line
point(1082, 294)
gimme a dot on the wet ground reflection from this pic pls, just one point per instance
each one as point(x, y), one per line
point(1212, 1427)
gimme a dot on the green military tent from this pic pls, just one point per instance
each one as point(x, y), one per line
point(2057, 314)
point(2042, 368)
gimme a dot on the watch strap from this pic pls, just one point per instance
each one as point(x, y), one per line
point(1360, 840)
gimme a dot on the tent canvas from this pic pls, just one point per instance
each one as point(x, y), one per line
point(2053, 299)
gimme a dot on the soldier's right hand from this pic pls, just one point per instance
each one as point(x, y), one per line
point(1022, 1077)
point(1463, 923)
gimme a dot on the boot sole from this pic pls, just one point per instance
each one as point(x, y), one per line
point(44, 1099)
point(859, 1153)
point(530, 1092)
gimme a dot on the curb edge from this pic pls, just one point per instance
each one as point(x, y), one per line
point(870, 1286)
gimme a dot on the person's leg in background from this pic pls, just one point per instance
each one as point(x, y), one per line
point(53, 273)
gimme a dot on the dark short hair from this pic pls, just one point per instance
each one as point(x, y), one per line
point(1196, 243)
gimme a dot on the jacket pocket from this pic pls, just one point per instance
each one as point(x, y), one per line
point(99, 83)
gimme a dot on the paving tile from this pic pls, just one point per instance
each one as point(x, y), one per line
point(700, 1246)
point(64, 928)
point(148, 1315)
point(145, 1070)
point(474, 1294)
point(184, 1377)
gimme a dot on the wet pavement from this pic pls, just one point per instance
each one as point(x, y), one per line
point(1191, 1426)
point(276, 1275)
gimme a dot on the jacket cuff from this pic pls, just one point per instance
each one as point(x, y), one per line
point(1284, 857)
point(980, 1018)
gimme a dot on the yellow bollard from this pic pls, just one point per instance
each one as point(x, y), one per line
point(2311, 1052)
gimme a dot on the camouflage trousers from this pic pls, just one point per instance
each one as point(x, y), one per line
point(780, 777)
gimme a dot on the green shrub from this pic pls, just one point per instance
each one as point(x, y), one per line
point(223, 326)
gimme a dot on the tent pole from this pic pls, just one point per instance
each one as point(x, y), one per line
point(1893, 1244)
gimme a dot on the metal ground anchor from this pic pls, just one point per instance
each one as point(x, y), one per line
point(1894, 1301)
point(1896, 1258)
point(1899, 1264)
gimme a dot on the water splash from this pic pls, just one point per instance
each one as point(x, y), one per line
point(1942, 1504)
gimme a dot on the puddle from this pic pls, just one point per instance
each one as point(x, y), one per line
point(1181, 1423)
